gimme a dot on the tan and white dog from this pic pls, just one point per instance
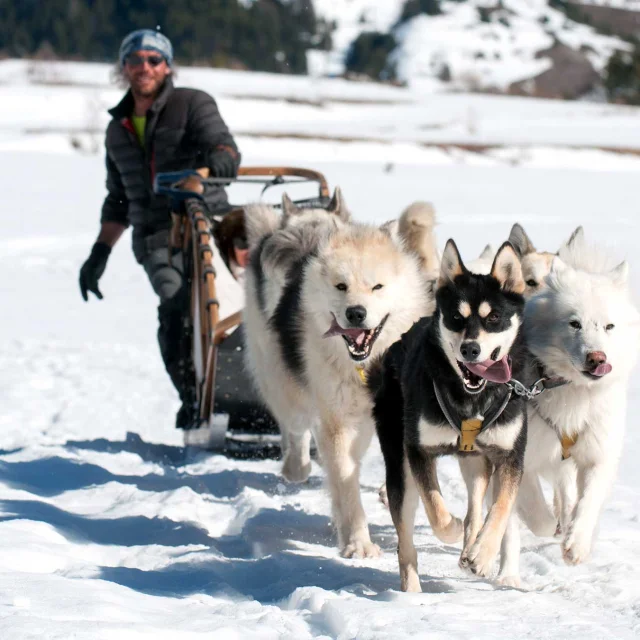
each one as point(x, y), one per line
point(314, 322)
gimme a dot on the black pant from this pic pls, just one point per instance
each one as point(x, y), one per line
point(169, 284)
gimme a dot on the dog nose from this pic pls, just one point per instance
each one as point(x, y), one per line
point(470, 350)
point(356, 315)
point(595, 358)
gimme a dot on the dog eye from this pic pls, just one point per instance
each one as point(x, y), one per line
point(575, 324)
point(609, 327)
point(532, 283)
point(377, 287)
point(341, 286)
point(457, 316)
point(493, 317)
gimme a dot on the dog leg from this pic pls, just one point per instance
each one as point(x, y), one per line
point(566, 490)
point(509, 574)
point(445, 527)
point(594, 483)
point(403, 503)
point(296, 466)
point(476, 472)
point(342, 447)
point(533, 507)
point(482, 554)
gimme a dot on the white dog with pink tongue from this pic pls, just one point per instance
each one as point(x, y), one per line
point(583, 328)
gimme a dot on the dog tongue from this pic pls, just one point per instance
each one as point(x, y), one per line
point(602, 369)
point(336, 330)
point(493, 370)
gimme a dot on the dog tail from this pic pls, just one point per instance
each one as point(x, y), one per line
point(416, 227)
point(260, 220)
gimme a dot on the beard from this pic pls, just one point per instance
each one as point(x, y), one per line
point(146, 86)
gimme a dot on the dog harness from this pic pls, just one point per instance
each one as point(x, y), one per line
point(470, 428)
point(566, 442)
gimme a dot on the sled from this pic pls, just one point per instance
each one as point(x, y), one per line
point(230, 416)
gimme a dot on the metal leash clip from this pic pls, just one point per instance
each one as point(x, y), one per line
point(527, 392)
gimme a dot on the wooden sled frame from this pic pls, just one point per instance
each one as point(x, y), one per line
point(191, 223)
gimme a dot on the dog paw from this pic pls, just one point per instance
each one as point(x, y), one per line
point(411, 584)
point(576, 548)
point(479, 559)
point(294, 470)
point(452, 533)
point(508, 581)
point(361, 549)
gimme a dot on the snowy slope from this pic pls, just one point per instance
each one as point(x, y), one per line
point(476, 54)
point(110, 529)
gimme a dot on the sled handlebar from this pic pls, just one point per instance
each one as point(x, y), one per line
point(173, 183)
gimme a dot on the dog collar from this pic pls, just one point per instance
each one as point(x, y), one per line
point(470, 428)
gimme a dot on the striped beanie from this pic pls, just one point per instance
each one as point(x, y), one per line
point(146, 40)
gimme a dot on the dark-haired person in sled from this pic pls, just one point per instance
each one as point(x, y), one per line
point(156, 128)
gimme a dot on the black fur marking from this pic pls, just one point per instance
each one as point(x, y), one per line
point(476, 289)
point(255, 264)
point(287, 321)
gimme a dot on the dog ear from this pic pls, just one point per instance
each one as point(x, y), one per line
point(289, 209)
point(577, 237)
point(620, 274)
point(558, 266)
point(451, 265)
point(520, 241)
point(338, 207)
point(506, 269)
point(487, 253)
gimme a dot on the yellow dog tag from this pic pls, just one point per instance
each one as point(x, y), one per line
point(566, 442)
point(362, 373)
point(470, 429)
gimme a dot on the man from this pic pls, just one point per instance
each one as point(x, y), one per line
point(158, 128)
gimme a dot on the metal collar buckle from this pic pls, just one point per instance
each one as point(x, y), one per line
point(527, 392)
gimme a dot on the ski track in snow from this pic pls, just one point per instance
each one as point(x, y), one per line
point(109, 528)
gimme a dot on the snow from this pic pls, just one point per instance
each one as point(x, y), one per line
point(487, 55)
point(109, 528)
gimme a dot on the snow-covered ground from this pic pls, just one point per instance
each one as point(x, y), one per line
point(110, 529)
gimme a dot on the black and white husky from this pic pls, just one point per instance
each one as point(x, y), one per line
point(440, 391)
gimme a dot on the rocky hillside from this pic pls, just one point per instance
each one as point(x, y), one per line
point(511, 46)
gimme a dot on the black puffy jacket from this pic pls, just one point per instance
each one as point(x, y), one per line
point(184, 128)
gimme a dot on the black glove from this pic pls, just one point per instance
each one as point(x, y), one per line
point(223, 164)
point(92, 270)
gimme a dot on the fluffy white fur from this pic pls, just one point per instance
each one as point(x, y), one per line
point(592, 410)
point(331, 402)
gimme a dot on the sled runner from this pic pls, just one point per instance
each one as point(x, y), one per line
point(229, 415)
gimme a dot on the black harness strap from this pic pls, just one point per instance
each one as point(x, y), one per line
point(491, 415)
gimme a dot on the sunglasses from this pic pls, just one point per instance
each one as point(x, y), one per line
point(135, 60)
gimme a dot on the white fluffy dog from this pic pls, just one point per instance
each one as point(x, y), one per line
point(313, 324)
